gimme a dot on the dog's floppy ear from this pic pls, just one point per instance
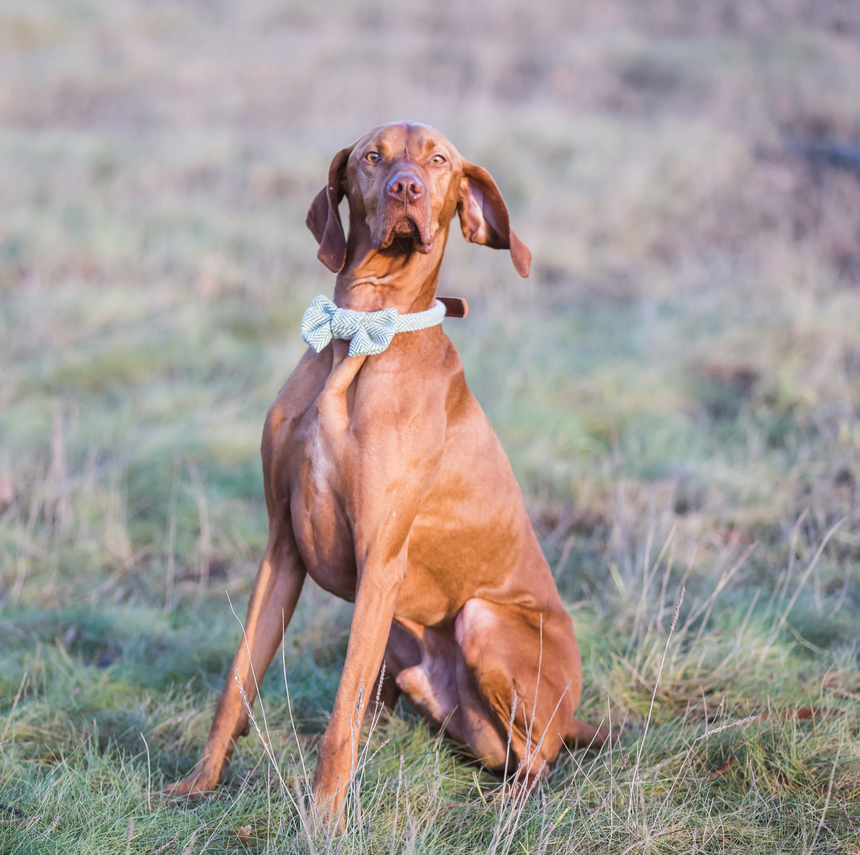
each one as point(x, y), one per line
point(484, 216)
point(324, 218)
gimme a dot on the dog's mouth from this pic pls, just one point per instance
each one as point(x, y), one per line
point(405, 230)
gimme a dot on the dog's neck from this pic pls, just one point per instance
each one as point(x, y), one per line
point(397, 277)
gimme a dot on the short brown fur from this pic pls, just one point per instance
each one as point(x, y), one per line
point(385, 483)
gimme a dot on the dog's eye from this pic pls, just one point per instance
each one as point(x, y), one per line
point(373, 156)
point(437, 159)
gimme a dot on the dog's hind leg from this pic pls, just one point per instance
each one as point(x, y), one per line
point(525, 668)
point(401, 652)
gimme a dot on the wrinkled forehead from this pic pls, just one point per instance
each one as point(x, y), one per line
point(407, 140)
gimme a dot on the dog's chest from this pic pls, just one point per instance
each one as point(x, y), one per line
point(318, 503)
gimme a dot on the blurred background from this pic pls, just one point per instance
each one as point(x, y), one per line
point(686, 175)
point(681, 371)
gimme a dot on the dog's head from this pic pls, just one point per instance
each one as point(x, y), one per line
point(404, 183)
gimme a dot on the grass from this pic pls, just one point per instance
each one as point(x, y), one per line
point(686, 420)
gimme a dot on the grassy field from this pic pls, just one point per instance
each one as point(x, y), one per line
point(684, 426)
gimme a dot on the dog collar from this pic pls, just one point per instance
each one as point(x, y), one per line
point(370, 333)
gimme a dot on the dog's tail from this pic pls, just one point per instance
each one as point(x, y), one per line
point(583, 735)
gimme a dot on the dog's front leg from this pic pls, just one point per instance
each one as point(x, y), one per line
point(376, 598)
point(273, 599)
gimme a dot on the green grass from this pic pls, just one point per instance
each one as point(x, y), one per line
point(677, 386)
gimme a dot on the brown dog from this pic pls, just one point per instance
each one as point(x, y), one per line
point(385, 482)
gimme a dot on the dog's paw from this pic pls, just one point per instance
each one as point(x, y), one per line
point(328, 805)
point(195, 785)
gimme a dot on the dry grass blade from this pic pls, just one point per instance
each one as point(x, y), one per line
point(803, 580)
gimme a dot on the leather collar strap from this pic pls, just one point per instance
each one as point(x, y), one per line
point(370, 333)
point(455, 307)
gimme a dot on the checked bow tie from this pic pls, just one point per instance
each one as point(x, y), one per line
point(369, 333)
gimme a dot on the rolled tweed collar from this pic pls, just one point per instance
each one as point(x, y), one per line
point(370, 333)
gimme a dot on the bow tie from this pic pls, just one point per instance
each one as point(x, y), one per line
point(369, 333)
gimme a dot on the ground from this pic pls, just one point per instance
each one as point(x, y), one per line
point(677, 385)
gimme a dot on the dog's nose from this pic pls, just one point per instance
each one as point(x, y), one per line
point(405, 188)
